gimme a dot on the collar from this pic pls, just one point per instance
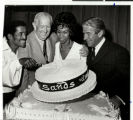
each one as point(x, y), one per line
point(5, 44)
point(97, 48)
point(7, 47)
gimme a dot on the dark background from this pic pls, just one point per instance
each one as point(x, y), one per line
point(118, 0)
point(116, 18)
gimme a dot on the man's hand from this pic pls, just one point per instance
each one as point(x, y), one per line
point(84, 51)
point(29, 63)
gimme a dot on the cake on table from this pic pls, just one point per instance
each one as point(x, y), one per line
point(63, 80)
point(55, 94)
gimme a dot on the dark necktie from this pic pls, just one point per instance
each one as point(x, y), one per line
point(45, 51)
point(91, 55)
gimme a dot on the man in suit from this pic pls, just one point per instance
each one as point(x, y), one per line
point(110, 62)
point(34, 54)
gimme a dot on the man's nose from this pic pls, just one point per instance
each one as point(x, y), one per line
point(85, 37)
point(45, 29)
point(24, 36)
point(61, 35)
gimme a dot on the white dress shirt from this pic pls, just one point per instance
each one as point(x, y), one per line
point(12, 69)
point(99, 45)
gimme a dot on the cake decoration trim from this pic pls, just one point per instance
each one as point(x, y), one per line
point(65, 85)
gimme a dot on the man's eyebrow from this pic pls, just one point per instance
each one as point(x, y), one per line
point(87, 31)
point(22, 32)
point(45, 25)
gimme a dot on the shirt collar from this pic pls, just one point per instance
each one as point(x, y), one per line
point(97, 48)
point(5, 44)
point(6, 47)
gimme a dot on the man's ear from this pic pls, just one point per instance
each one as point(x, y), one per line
point(101, 33)
point(10, 36)
point(34, 25)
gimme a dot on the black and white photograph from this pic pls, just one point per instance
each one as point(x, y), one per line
point(66, 62)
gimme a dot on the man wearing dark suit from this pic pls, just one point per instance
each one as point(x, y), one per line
point(110, 62)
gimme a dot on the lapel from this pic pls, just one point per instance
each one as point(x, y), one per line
point(35, 44)
point(36, 51)
point(103, 50)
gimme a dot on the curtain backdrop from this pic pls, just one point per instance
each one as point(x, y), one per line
point(116, 18)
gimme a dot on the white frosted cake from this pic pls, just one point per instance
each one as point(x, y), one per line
point(63, 80)
point(97, 107)
point(60, 71)
point(57, 93)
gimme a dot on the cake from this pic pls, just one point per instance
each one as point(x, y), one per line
point(97, 107)
point(63, 80)
point(57, 93)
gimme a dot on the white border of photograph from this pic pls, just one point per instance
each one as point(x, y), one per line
point(64, 2)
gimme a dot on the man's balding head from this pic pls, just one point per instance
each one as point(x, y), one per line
point(42, 25)
point(42, 15)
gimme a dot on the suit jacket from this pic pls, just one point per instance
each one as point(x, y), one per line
point(112, 67)
point(33, 50)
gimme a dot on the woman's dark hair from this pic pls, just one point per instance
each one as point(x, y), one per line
point(67, 19)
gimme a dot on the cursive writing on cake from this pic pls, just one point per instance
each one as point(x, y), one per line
point(65, 85)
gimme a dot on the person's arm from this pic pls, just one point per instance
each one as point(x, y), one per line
point(123, 78)
point(11, 72)
point(84, 51)
point(25, 60)
point(29, 63)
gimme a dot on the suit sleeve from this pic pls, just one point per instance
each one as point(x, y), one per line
point(122, 76)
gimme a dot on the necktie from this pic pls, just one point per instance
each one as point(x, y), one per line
point(45, 51)
point(91, 55)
